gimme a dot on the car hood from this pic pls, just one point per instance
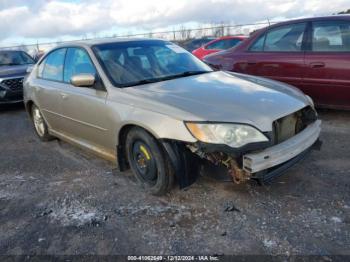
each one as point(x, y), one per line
point(222, 97)
point(13, 70)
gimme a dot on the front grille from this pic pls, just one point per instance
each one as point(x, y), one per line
point(13, 83)
point(290, 125)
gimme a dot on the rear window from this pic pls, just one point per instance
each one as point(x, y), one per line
point(331, 36)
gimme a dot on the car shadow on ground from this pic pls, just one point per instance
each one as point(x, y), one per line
point(11, 107)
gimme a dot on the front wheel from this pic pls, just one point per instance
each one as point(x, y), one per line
point(40, 125)
point(149, 162)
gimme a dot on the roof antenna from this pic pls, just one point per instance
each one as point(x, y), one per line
point(268, 20)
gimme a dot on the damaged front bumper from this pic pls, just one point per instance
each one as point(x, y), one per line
point(267, 163)
point(278, 154)
point(267, 176)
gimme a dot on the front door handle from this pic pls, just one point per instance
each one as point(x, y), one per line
point(317, 65)
point(64, 96)
point(274, 65)
point(251, 62)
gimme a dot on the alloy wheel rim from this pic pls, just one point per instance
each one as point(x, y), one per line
point(38, 122)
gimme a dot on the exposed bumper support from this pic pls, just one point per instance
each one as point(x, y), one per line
point(283, 152)
point(273, 173)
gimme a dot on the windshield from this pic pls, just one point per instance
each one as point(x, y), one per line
point(15, 58)
point(140, 62)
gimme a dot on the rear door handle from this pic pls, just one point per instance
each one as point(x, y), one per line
point(251, 62)
point(317, 65)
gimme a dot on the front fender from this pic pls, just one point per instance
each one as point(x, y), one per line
point(159, 125)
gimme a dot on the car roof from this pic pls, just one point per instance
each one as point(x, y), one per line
point(10, 51)
point(231, 37)
point(316, 18)
point(92, 42)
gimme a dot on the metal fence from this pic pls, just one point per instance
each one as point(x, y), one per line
point(180, 35)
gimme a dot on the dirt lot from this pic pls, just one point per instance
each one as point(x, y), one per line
point(55, 199)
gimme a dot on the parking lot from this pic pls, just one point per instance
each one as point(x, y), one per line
point(56, 199)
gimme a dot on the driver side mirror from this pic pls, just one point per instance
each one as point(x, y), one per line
point(83, 80)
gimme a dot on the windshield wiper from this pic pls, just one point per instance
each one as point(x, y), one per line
point(159, 79)
point(141, 82)
point(184, 74)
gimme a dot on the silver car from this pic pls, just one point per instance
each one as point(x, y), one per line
point(151, 106)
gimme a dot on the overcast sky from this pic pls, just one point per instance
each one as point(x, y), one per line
point(28, 20)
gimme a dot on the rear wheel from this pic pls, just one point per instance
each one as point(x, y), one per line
point(40, 124)
point(149, 162)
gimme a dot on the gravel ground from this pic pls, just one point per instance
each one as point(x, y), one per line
point(56, 199)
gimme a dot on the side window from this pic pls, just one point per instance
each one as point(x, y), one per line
point(286, 38)
point(52, 67)
point(258, 45)
point(216, 45)
point(77, 62)
point(331, 36)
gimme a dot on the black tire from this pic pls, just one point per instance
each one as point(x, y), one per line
point(149, 162)
point(44, 133)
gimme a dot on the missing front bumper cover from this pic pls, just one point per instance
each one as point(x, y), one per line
point(237, 174)
point(268, 163)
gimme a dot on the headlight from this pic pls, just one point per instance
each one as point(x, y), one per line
point(234, 135)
